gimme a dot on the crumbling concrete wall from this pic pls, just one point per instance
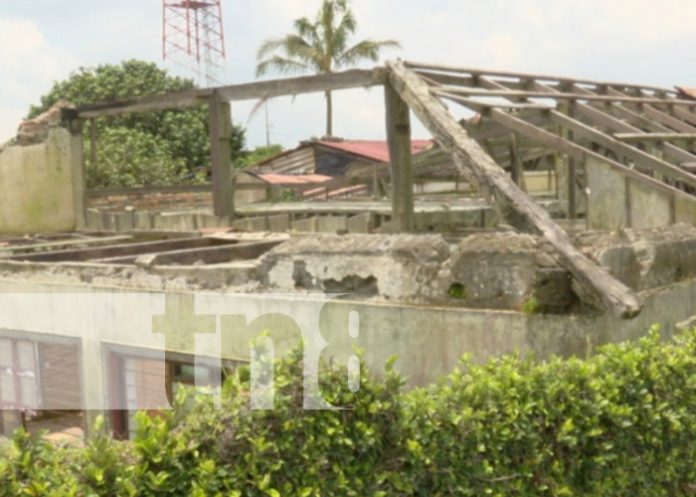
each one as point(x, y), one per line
point(38, 179)
point(402, 268)
point(644, 259)
point(483, 271)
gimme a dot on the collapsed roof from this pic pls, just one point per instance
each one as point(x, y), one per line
point(643, 134)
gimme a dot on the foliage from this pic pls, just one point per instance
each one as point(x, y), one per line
point(257, 155)
point(182, 134)
point(531, 306)
point(133, 158)
point(619, 423)
point(457, 291)
point(320, 46)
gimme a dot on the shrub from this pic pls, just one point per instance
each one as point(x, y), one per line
point(619, 423)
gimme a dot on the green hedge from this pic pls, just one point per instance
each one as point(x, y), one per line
point(621, 423)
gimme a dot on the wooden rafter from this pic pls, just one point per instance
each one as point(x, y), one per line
point(594, 110)
point(355, 78)
point(427, 68)
point(594, 283)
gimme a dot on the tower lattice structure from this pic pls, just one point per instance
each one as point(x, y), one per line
point(193, 37)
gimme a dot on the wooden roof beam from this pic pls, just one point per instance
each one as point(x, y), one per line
point(653, 137)
point(682, 113)
point(640, 157)
point(491, 105)
point(676, 153)
point(594, 283)
point(529, 76)
point(560, 95)
point(572, 149)
point(207, 255)
point(599, 117)
point(355, 78)
point(657, 115)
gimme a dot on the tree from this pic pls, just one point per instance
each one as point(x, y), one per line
point(321, 46)
point(252, 157)
point(133, 158)
point(179, 138)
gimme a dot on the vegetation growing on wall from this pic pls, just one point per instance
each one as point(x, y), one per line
point(620, 423)
point(153, 148)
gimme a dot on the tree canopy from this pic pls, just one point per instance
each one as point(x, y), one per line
point(159, 148)
point(321, 46)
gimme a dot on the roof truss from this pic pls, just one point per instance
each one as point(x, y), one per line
point(646, 132)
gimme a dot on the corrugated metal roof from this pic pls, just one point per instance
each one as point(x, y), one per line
point(373, 149)
point(293, 179)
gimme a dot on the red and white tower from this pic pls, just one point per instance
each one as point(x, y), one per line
point(193, 37)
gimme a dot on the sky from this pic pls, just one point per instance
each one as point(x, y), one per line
point(642, 41)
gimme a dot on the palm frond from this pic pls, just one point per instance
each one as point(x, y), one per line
point(289, 54)
point(320, 45)
point(306, 29)
point(343, 31)
point(282, 65)
point(365, 50)
point(269, 46)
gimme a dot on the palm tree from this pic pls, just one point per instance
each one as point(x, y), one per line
point(321, 47)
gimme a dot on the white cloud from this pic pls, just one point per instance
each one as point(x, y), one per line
point(29, 64)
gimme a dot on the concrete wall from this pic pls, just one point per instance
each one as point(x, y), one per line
point(428, 341)
point(616, 201)
point(37, 192)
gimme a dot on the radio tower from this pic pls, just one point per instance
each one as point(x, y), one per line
point(193, 37)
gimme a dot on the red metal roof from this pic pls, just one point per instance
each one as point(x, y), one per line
point(373, 149)
point(687, 91)
point(294, 179)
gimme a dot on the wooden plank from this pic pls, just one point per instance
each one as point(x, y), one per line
point(651, 137)
point(220, 124)
point(594, 283)
point(552, 140)
point(207, 255)
point(398, 118)
point(93, 152)
point(667, 120)
point(658, 115)
point(120, 250)
point(34, 247)
point(642, 158)
point(622, 113)
point(673, 152)
point(154, 103)
point(572, 177)
point(682, 113)
point(355, 78)
point(529, 76)
point(600, 116)
point(560, 95)
point(491, 105)
point(516, 163)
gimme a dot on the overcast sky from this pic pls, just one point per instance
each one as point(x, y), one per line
point(646, 41)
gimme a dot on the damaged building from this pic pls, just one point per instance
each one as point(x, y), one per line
point(569, 222)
